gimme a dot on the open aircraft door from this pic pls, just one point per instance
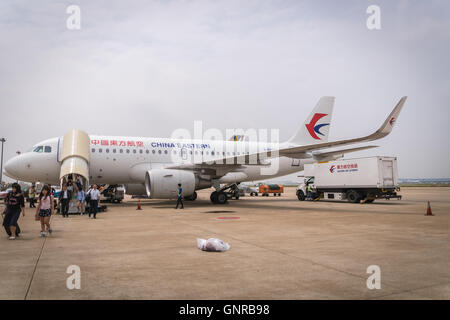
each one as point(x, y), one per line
point(75, 156)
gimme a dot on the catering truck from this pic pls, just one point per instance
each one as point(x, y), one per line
point(353, 180)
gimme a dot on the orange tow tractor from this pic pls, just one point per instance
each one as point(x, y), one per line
point(266, 189)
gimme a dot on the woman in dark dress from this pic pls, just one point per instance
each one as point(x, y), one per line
point(15, 203)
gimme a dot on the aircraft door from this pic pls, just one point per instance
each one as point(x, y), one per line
point(75, 156)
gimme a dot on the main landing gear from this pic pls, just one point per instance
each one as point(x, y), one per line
point(222, 195)
point(192, 197)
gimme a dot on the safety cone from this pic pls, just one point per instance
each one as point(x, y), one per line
point(429, 210)
point(139, 205)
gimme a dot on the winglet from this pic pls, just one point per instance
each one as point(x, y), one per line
point(388, 124)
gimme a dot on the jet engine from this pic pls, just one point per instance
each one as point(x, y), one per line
point(163, 183)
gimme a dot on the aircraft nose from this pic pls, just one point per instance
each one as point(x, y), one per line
point(11, 167)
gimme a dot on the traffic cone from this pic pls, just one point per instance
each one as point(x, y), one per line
point(429, 210)
point(139, 205)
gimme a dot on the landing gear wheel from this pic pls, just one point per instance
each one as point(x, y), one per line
point(221, 198)
point(213, 197)
point(192, 197)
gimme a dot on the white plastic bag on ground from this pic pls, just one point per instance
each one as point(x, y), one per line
point(212, 244)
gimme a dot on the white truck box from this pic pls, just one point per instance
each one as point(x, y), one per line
point(371, 172)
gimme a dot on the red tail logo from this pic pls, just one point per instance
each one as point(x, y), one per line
point(314, 129)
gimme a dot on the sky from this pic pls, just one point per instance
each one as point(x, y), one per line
point(147, 68)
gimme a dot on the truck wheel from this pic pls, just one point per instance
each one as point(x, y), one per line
point(353, 196)
point(256, 194)
point(300, 195)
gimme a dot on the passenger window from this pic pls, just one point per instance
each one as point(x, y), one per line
point(107, 150)
point(159, 151)
point(38, 149)
point(141, 151)
point(47, 149)
point(128, 150)
point(134, 150)
point(165, 151)
point(121, 150)
point(153, 151)
point(92, 150)
point(147, 151)
point(114, 150)
point(100, 150)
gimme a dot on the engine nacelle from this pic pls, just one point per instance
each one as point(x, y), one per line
point(163, 183)
point(135, 189)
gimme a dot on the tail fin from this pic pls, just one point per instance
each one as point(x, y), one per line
point(317, 125)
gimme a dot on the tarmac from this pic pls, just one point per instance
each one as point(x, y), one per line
point(281, 248)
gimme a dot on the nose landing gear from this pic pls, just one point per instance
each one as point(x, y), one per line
point(222, 195)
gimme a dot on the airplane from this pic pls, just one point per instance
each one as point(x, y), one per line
point(155, 166)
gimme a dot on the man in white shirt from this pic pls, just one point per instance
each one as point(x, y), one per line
point(94, 201)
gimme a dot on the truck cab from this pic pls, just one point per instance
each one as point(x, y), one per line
point(301, 190)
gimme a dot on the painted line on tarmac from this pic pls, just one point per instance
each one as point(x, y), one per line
point(35, 267)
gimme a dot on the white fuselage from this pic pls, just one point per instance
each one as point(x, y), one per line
point(125, 160)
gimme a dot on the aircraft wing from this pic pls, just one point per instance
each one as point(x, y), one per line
point(382, 132)
point(339, 153)
point(231, 163)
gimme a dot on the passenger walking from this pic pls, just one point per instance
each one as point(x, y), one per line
point(94, 196)
point(45, 210)
point(70, 185)
point(180, 197)
point(15, 203)
point(80, 200)
point(64, 198)
point(31, 196)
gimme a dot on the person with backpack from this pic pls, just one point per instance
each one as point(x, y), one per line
point(45, 210)
point(15, 204)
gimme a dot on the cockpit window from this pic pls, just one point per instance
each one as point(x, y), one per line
point(39, 149)
point(47, 149)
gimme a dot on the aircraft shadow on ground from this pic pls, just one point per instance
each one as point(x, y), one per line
point(256, 204)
